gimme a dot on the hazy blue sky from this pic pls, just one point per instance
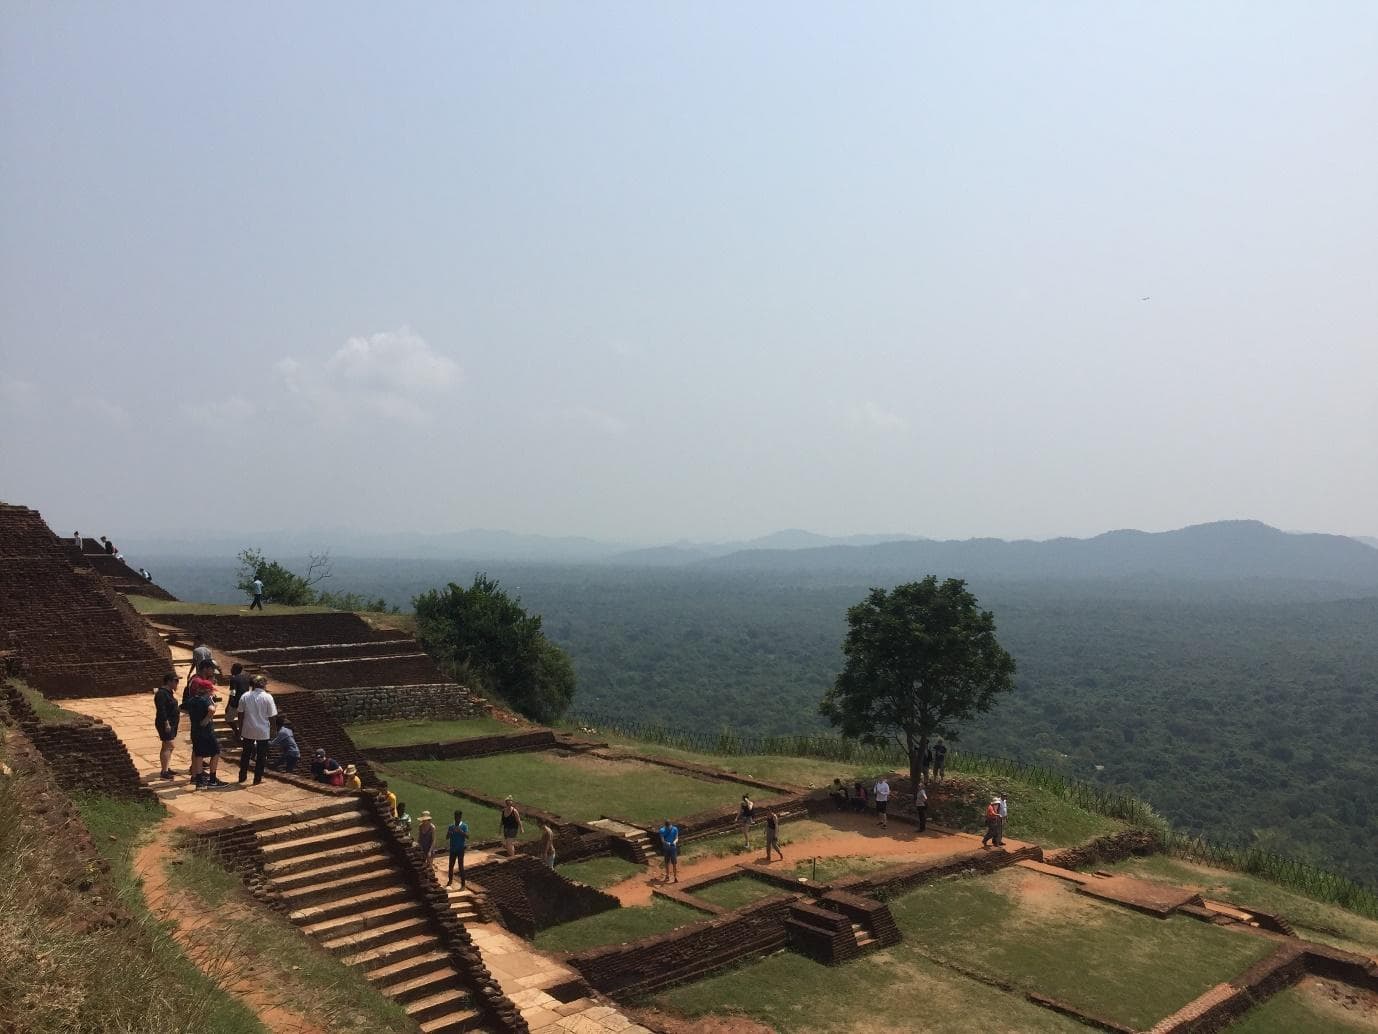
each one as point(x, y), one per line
point(648, 270)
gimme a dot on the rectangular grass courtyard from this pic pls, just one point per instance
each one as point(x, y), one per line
point(581, 788)
point(395, 733)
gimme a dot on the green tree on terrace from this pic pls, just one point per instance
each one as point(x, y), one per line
point(279, 584)
point(919, 660)
point(483, 632)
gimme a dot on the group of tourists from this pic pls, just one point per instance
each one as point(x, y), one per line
point(510, 825)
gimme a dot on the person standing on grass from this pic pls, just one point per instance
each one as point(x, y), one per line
point(921, 806)
point(257, 709)
point(745, 812)
point(257, 604)
point(457, 836)
point(205, 748)
point(511, 822)
point(773, 835)
point(939, 761)
point(425, 838)
point(669, 847)
point(882, 792)
point(285, 743)
point(166, 718)
point(547, 845)
point(1004, 809)
point(992, 823)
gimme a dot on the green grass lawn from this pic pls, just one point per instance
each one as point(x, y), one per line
point(618, 926)
point(890, 990)
point(1035, 931)
point(1036, 815)
point(402, 733)
point(324, 987)
point(724, 845)
point(581, 788)
point(738, 891)
point(829, 869)
point(1315, 920)
point(1305, 1008)
point(483, 821)
point(601, 872)
point(148, 605)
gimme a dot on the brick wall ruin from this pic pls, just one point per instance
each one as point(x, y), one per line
point(76, 635)
point(530, 896)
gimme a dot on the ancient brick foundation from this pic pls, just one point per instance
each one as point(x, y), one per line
point(530, 896)
point(314, 725)
point(1115, 847)
point(476, 747)
point(437, 701)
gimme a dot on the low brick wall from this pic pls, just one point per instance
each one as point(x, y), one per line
point(702, 771)
point(690, 953)
point(231, 842)
point(84, 755)
point(476, 747)
point(530, 896)
point(901, 878)
point(1115, 847)
point(873, 915)
point(438, 700)
point(822, 935)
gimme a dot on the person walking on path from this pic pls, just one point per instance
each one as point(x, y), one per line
point(285, 743)
point(669, 849)
point(745, 812)
point(239, 685)
point(1004, 809)
point(257, 604)
point(921, 806)
point(425, 837)
point(256, 711)
point(205, 748)
point(457, 836)
point(547, 845)
point(882, 792)
point(992, 823)
point(773, 835)
point(166, 718)
point(939, 761)
point(511, 821)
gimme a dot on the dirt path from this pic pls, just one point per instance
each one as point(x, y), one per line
point(902, 843)
point(201, 938)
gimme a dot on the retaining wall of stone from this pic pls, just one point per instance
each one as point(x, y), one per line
point(530, 896)
point(384, 702)
point(231, 633)
point(474, 747)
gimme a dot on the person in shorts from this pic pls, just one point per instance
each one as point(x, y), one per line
point(166, 718)
point(669, 848)
point(457, 836)
point(882, 796)
point(745, 812)
point(512, 827)
point(205, 747)
point(773, 835)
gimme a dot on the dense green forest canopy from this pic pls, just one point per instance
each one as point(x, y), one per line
point(1245, 709)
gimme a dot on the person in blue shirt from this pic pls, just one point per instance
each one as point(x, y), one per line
point(285, 743)
point(669, 841)
point(458, 837)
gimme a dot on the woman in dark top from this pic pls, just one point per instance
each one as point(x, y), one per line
point(239, 685)
point(166, 718)
point(511, 826)
point(744, 814)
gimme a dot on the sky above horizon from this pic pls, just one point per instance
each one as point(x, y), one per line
point(651, 272)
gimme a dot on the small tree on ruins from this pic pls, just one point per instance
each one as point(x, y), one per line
point(920, 659)
point(279, 584)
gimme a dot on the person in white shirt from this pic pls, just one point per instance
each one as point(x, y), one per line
point(257, 604)
point(882, 795)
point(1004, 814)
point(256, 712)
point(921, 806)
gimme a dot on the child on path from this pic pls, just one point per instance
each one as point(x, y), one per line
point(744, 816)
point(425, 837)
point(669, 847)
point(773, 835)
point(457, 836)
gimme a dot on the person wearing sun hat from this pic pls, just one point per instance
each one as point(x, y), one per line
point(992, 823)
point(425, 837)
point(352, 780)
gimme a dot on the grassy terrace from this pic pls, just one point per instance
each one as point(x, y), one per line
point(618, 926)
point(738, 891)
point(1312, 919)
point(1310, 1007)
point(404, 733)
point(483, 821)
point(601, 872)
point(580, 788)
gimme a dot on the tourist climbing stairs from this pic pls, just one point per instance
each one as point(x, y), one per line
point(330, 872)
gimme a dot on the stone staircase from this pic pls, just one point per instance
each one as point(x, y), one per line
point(862, 937)
point(642, 846)
point(469, 905)
point(331, 874)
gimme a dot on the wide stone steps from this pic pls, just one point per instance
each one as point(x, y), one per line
point(333, 876)
point(861, 937)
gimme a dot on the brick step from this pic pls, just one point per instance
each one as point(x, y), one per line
point(376, 936)
point(454, 1022)
point(331, 807)
point(281, 867)
point(357, 863)
point(447, 1003)
point(396, 950)
point(346, 836)
point(424, 979)
point(312, 827)
point(344, 886)
point(367, 901)
point(365, 921)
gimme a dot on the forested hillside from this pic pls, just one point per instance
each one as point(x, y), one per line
point(1246, 709)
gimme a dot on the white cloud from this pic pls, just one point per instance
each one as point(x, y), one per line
point(870, 416)
point(605, 423)
point(393, 374)
point(231, 412)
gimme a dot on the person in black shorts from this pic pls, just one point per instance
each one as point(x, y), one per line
point(166, 718)
point(205, 748)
